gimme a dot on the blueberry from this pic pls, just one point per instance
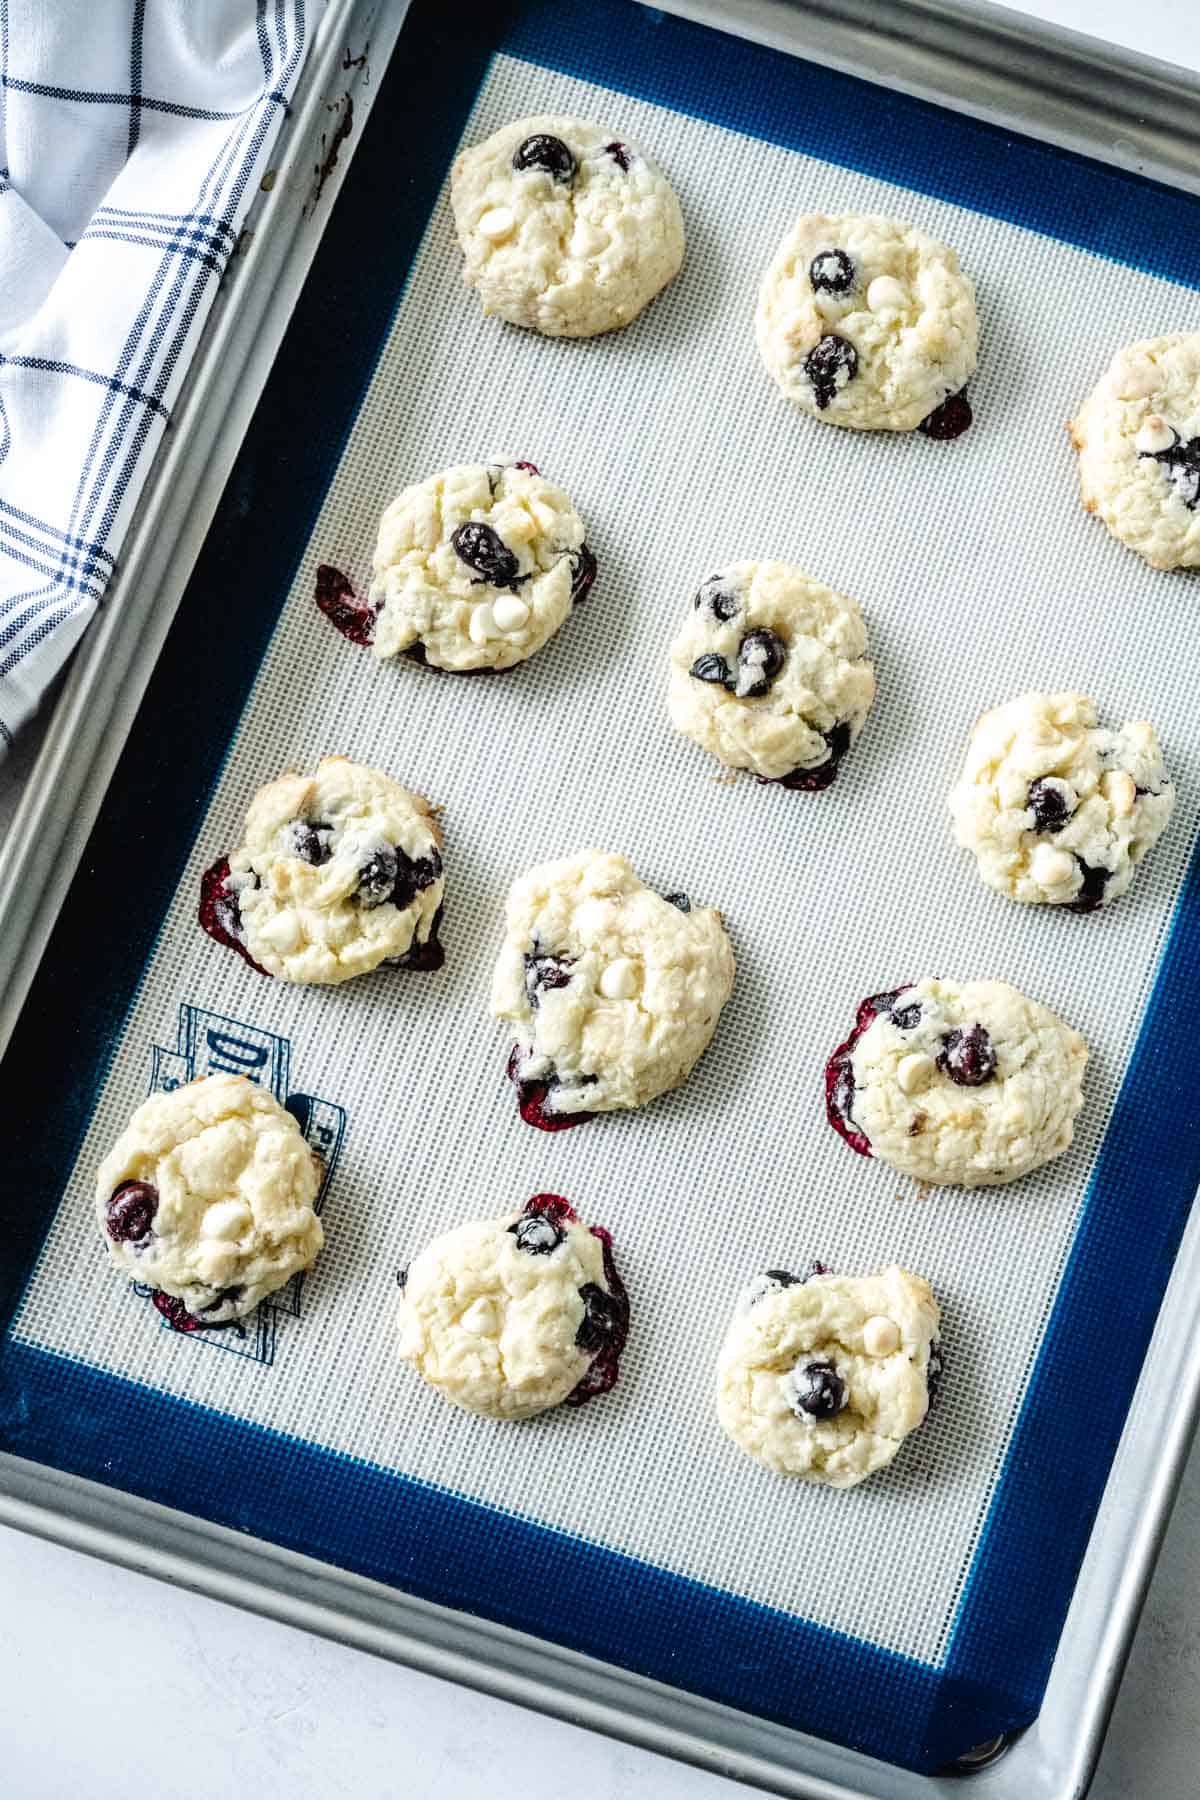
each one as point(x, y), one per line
point(1185, 479)
point(226, 911)
point(413, 875)
point(1049, 805)
point(534, 1097)
point(967, 1057)
point(425, 955)
point(130, 1212)
point(831, 272)
point(310, 841)
point(838, 739)
point(583, 573)
point(949, 420)
point(601, 1318)
point(1091, 891)
point(621, 154)
point(679, 900)
point(402, 1278)
point(761, 655)
point(537, 1235)
point(711, 667)
point(485, 551)
point(880, 1005)
point(815, 780)
point(840, 1095)
point(771, 1279)
point(220, 912)
point(907, 1018)
point(839, 1070)
point(818, 1390)
point(377, 877)
point(1181, 463)
point(543, 971)
point(714, 597)
point(829, 365)
point(933, 1371)
point(547, 153)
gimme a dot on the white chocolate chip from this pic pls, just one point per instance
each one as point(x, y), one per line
point(886, 294)
point(1120, 791)
point(509, 613)
point(480, 1319)
point(1051, 868)
point(482, 623)
point(915, 1072)
point(227, 1219)
point(881, 1336)
point(1154, 437)
point(496, 223)
point(283, 932)
point(619, 981)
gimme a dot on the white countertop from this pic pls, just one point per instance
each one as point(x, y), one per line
point(112, 1684)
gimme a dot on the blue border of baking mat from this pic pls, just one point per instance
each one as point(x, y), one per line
point(430, 1542)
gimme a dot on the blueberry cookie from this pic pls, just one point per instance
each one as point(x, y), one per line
point(1138, 438)
point(613, 992)
point(507, 1317)
point(566, 228)
point(340, 871)
point(964, 1085)
point(1057, 809)
point(824, 1376)
point(770, 673)
point(207, 1196)
point(475, 569)
point(865, 321)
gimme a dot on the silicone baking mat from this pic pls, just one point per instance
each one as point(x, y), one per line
point(918, 1614)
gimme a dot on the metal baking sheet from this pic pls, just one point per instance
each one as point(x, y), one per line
point(303, 1431)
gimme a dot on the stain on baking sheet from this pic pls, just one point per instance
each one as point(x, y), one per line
point(331, 144)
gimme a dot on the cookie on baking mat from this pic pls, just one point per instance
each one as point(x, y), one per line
point(475, 569)
point(965, 1084)
point(865, 321)
point(824, 1376)
point(566, 227)
point(1056, 808)
point(339, 872)
point(613, 992)
point(1138, 438)
point(207, 1197)
point(770, 673)
point(508, 1317)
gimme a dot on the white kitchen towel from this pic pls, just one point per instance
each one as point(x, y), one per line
point(133, 136)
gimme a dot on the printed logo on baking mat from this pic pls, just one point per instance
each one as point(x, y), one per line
point(211, 1043)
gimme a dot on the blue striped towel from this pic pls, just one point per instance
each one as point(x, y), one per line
point(133, 136)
